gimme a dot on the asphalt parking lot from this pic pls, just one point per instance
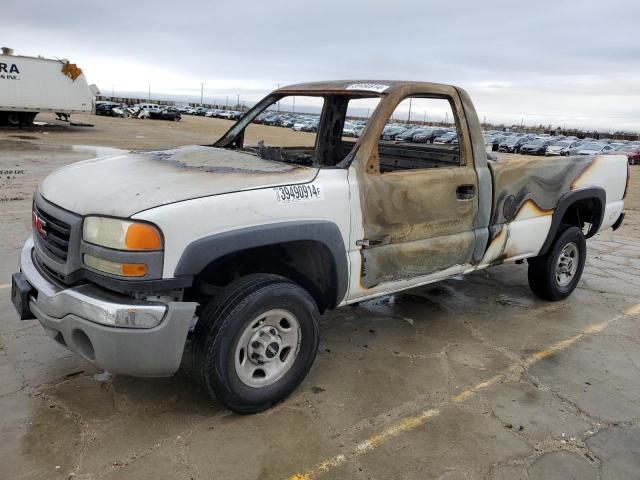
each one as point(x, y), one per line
point(467, 378)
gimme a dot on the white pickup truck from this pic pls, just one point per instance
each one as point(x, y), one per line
point(236, 250)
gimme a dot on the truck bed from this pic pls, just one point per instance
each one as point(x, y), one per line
point(526, 192)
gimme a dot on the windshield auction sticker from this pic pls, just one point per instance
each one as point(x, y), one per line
point(369, 87)
point(298, 193)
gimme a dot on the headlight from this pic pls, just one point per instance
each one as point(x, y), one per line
point(121, 234)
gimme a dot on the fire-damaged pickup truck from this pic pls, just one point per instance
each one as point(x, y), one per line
point(233, 251)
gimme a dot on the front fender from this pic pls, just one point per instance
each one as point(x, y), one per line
point(203, 251)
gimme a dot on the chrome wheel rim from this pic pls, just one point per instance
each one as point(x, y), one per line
point(267, 348)
point(567, 265)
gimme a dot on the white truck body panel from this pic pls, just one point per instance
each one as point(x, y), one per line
point(30, 84)
point(144, 180)
point(185, 222)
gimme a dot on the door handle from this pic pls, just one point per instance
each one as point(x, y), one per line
point(465, 192)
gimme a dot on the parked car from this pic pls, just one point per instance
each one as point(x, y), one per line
point(358, 130)
point(408, 135)
point(170, 114)
point(595, 148)
point(446, 138)
point(109, 110)
point(561, 147)
point(349, 129)
point(310, 126)
point(497, 139)
point(513, 143)
point(391, 131)
point(272, 120)
point(298, 125)
point(226, 114)
point(429, 136)
point(631, 151)
point(535, 147)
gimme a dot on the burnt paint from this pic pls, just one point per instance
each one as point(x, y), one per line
point(413, 217)
point(230, 162)
point(541, 181)
point(180, 174)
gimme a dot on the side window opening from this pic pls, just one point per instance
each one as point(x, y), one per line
point(358, 114)
point(421, 133)
point(346, 118)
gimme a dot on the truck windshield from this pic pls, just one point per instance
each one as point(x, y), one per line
point(314, 130)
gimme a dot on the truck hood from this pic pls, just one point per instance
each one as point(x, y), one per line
point(123, 185)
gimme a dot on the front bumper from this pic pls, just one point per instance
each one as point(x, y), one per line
point(100, 325)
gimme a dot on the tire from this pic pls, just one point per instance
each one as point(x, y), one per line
point(14, 119)
point(229, 328)
point(546, 277)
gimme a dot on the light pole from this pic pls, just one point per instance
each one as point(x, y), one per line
point(409, 117)
point(424, 120)
point(238, 100)
point(149, 98)
point(294, 104)
point(201, 92)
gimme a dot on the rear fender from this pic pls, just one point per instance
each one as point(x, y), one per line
point(566, 201)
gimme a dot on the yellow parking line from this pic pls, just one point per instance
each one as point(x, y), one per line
point(410, 423)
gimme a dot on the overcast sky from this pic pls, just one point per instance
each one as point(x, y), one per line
point(569, 63)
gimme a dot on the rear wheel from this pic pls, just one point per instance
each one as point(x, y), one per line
point(255, 343)
point(14, 119)
point(556, 274)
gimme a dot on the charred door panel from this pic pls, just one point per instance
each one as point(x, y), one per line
point(417, 222)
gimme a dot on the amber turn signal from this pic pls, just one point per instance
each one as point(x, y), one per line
point(116, 268)
point(142, 236)
point(134, 269)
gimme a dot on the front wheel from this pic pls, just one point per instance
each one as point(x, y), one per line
point(554, 275)
point(255, 343)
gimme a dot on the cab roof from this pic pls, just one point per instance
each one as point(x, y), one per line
point(373, 87)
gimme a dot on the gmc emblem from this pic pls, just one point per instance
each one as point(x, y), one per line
point(38, 224)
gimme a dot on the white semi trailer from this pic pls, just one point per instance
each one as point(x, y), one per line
point(30, 85)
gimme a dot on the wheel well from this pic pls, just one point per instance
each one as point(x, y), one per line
point(580, 208)
point(307, 262)
point(584, 212)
